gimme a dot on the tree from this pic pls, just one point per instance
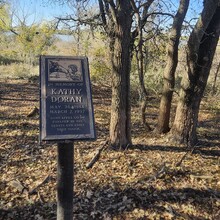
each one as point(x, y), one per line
point(31, 40)
point(170, 69)
point(34, 40)
point(4, 16)
point(140, 57)
point(200, 51)
point(116, 19)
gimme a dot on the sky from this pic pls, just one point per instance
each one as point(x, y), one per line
point(39, 10)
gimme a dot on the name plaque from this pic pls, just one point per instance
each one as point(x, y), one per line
point(66, 111)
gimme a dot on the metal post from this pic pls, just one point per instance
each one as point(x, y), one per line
point(65, 181)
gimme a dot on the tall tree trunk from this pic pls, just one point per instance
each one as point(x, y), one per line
point(120, 124)
point(169, 72)
point(200, 52)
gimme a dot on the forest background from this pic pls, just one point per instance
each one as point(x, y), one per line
point(153, 178)
point(38, 35)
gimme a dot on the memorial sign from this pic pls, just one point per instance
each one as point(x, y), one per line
point(66, 111)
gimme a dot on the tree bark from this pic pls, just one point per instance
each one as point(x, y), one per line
point(140, 68)
point(215, 79)
point(120, 124)
point(200, 52)
point(169, 72)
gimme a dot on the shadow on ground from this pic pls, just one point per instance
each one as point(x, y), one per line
point(108, 203)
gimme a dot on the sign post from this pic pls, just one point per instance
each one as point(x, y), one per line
point(66, 114)
point(65, 181)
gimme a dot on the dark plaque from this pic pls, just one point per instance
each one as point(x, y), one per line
point(66, 111)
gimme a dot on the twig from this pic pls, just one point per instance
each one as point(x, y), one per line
point(41, 197)
point(183, 157)
point(32, 191)
point(23, 189)
point(2, 146)
point(158, 173)
point(162, 170)
point(33, 112)
point(97, 155)
point(201, 177)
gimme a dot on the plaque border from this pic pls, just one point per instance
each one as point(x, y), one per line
point(43, 114)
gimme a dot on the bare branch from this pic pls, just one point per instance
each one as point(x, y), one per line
point(146, 8)
point(113, 9)
point(9, 28)
point(102, 12)
point(202, 23)
point(144, 20)
point(88, 21)
point(135, 9)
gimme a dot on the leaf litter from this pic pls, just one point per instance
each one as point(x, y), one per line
point(152, 179)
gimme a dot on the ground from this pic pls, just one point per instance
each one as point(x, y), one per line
point(152, 179)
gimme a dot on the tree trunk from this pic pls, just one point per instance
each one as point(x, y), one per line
point(140, 67)
point(143, 104)
point(120, 124)
point(200, 52)
point(215, 79)
point(169, 72)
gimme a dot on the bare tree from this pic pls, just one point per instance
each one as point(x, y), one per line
point(138, 33)
point(170, 69)
point(119, 26)
point(200, 52)
point(116, 18)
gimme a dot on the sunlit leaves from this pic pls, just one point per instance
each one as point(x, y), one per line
point(35, 39)
point(4, 17)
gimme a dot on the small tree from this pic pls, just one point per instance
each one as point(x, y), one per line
point(31, 39)
point(4, 17)
point(34, 40)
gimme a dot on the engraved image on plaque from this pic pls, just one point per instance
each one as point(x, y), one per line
point(65, 70)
